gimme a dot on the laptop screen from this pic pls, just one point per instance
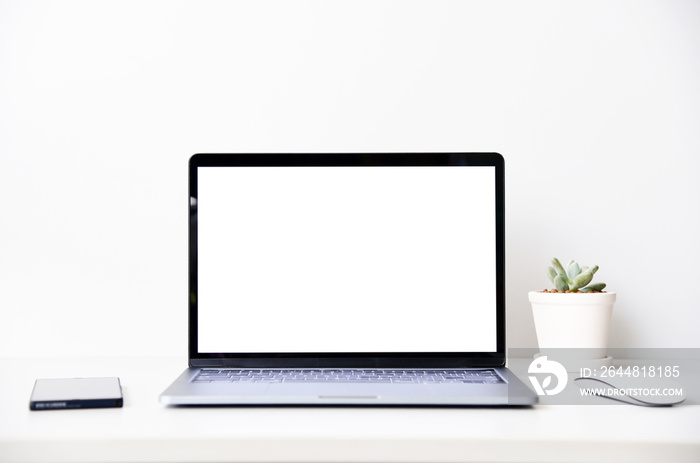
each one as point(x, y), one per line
point(346, 259)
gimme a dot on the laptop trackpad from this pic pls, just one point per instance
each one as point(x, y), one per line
point(341, 390)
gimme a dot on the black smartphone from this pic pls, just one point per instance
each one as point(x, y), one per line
point(63, 393)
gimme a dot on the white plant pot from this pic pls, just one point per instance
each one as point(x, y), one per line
point(578, 322)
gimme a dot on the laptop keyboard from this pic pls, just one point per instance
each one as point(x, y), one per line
point(485, 376)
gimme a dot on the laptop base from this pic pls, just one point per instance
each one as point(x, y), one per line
point(185, 392)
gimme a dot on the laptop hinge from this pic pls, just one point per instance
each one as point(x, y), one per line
point(347, 363)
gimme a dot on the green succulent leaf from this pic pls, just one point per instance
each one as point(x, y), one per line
point(594, 269)
point(582, 280)
point(557, 266)
point(595, 287)
point(560, 284)
point(560, 270)
point(551, 273)
point(573, 271)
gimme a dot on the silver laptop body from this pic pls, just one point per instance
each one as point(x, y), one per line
point(347, 279)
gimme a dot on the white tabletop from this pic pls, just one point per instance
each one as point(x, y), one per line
point(144, 430)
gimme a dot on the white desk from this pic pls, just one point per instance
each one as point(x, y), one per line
point(143, 430)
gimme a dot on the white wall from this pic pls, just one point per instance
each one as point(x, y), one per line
point(594, 104)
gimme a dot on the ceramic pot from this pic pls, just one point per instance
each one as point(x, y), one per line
point(577, 322)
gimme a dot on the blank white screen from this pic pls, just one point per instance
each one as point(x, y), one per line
point(346, 259)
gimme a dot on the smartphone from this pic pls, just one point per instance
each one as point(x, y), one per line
point(63, 393)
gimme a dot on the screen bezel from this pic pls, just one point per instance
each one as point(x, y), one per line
point(349, 360)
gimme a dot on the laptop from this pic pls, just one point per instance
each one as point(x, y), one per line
point(347, 279)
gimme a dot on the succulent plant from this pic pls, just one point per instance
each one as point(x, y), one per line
point(574, 278)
